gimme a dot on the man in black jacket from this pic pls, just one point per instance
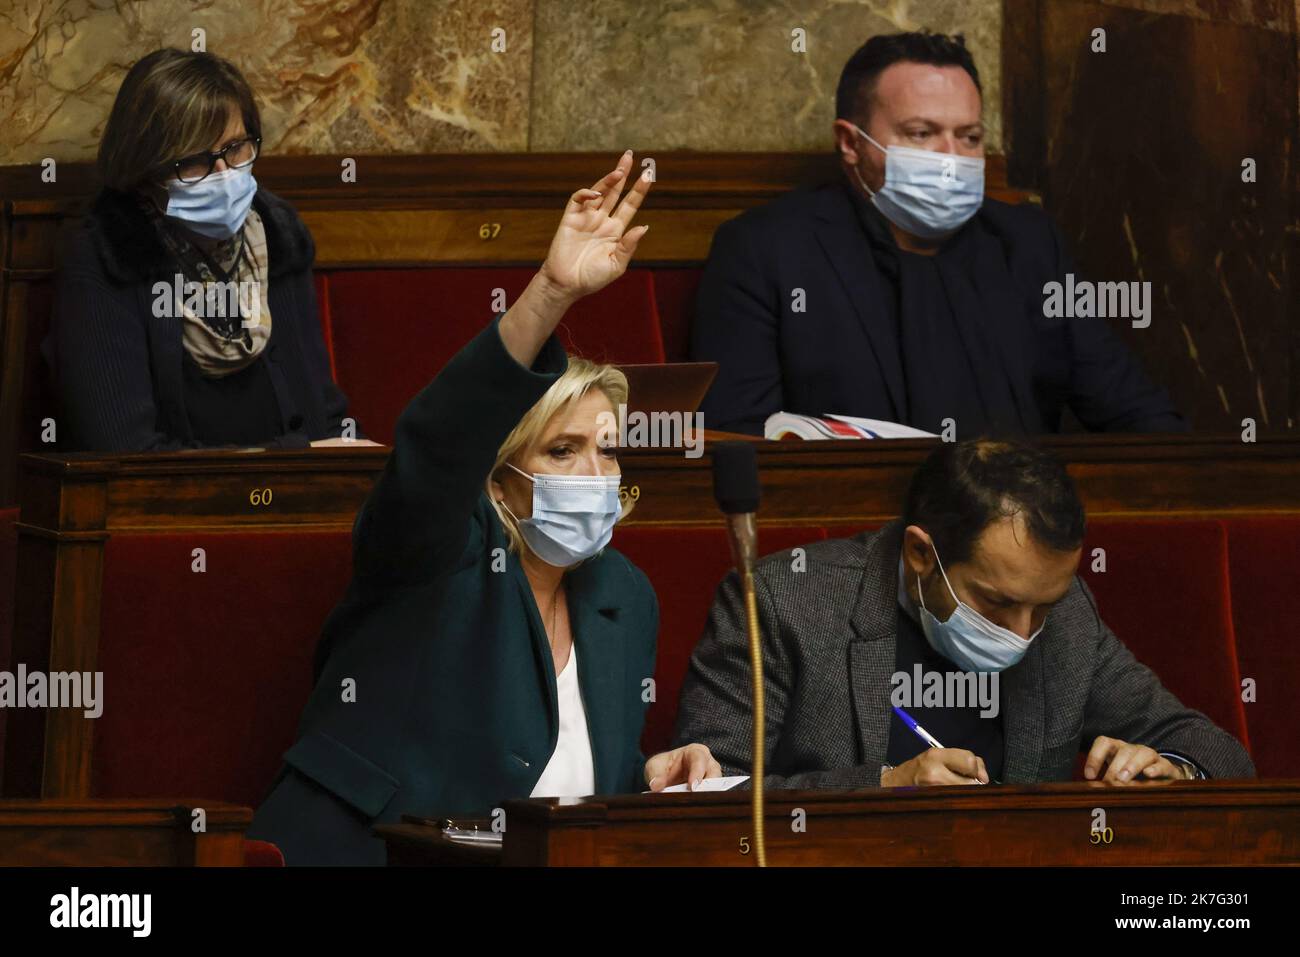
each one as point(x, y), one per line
point(901, 293)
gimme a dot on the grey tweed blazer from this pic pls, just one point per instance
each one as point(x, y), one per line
point(828, 654)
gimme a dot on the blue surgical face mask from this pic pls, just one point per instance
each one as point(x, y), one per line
point(927, 194)
point(573, 516)
point(968, 639)
point(216, 206)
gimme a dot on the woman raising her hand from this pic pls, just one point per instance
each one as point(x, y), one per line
point(490, 645)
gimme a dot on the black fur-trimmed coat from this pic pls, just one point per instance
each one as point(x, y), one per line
point(117, 367)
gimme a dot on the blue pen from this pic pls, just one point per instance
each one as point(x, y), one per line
point(924, 735)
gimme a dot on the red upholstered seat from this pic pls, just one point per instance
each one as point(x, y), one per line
point(685, 566)
point(392, 330)
point(849, 529)
point(322, 285)
point(262, 854)
point(215, 668)
point(617, 324)
point(206, 674)
point(1264, 558)
point(1165, 594)
point(675, 291)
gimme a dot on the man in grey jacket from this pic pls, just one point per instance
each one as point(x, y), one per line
point(964, 617)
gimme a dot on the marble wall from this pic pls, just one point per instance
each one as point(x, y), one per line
point(721, 75)
point(413, 76)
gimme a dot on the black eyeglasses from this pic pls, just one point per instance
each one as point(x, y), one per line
point(241, 153)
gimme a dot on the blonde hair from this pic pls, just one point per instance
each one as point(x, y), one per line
point(581, 376)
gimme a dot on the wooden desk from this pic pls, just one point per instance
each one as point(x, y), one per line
point(803, 482)
point(417, 843)
point(150, 832)
point(1178, 823)
point(72, 504)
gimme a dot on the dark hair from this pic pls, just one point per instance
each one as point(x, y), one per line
point(858, 78)
point(963, 487)
point(171, 104)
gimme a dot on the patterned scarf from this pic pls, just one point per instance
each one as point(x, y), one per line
point(232, 322)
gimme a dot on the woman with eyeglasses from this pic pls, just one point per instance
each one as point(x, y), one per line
point(185, 313)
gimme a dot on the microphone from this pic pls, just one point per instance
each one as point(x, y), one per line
point(736, 488)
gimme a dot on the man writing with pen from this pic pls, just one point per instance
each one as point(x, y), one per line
point(976, 577)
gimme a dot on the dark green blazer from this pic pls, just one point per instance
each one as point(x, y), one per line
point(435, 689)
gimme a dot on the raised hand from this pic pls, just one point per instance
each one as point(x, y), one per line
point(591, 248)
point(593, 244)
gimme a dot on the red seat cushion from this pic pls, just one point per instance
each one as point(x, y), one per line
point(685, 566)
point(675, 291)
point(262, 854)
point(849, 529)
point(1165, 594)
point(1264, 556)
point(206, 674)
point(322, 286)
point(392, 330)
point(617, 324)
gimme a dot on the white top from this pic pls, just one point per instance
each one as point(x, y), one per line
point(570, 772)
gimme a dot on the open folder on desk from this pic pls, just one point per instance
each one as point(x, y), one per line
point(708, 784)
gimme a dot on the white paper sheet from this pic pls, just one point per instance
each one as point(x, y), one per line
point(708, 784)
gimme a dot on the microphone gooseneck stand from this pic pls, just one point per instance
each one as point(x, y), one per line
point(736, 487)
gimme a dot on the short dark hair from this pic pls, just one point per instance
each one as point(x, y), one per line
point(963, 487)
point(858, 78)
point(172, 103)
